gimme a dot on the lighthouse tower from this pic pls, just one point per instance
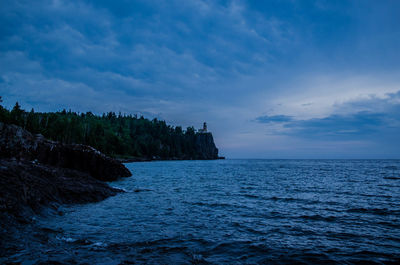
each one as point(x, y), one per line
point(204, 130)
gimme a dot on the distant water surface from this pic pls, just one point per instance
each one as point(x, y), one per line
point(234, 212)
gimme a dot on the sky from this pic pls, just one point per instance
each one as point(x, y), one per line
point(272, 79)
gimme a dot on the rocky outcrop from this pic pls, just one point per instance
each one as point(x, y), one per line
point(205, 146)
point(37, 175)
point(27, 187)
point(36, 172)
point(203, 149)
point(18, 143)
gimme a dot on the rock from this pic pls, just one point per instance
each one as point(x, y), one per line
point(205, 146)
point(26, 188)
point(37, 174)
point(15, 142)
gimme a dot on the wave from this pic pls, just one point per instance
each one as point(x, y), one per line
point(375, 211)
point(304, 201)
point(318, 217)
point(392, 178)
point(212, 204)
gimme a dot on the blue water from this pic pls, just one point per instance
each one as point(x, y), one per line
point(235, 212)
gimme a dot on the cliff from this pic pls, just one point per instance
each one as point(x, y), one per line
point(201, 144)
point(205, 146)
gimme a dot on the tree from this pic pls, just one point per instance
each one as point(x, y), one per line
point(4, 113)
point(190, 131)
point(16, 115)
point(122, 135)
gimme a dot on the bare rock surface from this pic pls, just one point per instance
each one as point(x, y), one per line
point(205, 146)
point(26, 187)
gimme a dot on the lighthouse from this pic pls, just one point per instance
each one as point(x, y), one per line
point(204, 130)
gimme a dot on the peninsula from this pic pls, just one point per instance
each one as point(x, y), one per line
point(125, 137)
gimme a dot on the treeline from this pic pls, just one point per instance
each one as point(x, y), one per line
point(115, 135)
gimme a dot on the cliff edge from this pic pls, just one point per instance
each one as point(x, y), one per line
point(205, 146)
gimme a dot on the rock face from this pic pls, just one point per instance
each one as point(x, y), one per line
point(27, 187)
point(204, 149)
point(18, 143)
point(36, 172)
point(205, 146)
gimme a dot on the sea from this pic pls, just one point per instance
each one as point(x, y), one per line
point(232, 212)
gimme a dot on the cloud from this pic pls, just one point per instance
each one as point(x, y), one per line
point(370, 119)
point(304, 65)
point(346, 127)
point(274, 118)
point(168, 49)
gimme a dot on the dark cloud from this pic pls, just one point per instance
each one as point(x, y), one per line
point(274, 118)
point(379, 118)
point(343, 127)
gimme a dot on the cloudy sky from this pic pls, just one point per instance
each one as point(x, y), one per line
point(273, 79)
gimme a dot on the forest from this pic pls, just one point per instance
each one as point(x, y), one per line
point(117, 135)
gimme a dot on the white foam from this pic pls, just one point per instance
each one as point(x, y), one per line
point(66, 239)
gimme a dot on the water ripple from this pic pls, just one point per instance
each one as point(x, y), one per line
point(234, 212)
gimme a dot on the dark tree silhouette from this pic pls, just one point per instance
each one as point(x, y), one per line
point(116, 135)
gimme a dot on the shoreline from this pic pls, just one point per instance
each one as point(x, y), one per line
point(139, 159)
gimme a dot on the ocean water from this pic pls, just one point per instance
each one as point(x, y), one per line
point(233, 212)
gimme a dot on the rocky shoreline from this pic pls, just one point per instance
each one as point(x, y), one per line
point(38, 174)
